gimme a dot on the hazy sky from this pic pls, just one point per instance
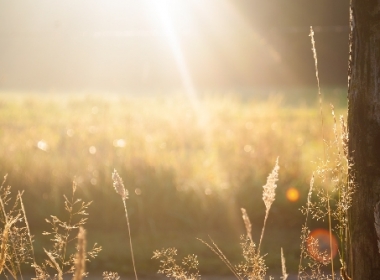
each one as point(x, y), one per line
point(158, 44)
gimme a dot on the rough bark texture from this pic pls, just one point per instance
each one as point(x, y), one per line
point(364, 135)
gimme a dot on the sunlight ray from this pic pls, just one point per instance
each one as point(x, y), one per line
point(184, 72)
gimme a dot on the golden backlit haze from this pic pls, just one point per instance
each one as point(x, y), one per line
point(191, 102)
point(185, 178)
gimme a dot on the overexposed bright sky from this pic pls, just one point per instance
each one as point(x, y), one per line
point(150, 44)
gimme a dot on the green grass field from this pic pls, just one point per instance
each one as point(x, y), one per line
point(188, 169)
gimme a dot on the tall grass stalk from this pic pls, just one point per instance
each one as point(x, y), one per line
point(80, 258)
point(304, 230)
point(28, 230)
point(55, 264)
point(323, 139)
point(214, 248)
point(122, 191)
point(5, 237)
point(253, 266)
point(4, 242)
point(319, 86)
point(5, 234)
point(283, 266)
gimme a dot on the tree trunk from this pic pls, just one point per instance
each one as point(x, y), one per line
point(364, 135)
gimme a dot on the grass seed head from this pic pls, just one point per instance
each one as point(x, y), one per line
point(110, 275)
point(118, 185)
point(270, 187)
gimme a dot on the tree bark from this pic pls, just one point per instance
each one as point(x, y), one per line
point(364, 135)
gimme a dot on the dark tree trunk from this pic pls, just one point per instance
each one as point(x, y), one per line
point(364, 136)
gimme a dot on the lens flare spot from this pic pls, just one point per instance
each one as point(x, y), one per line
point(119, 143)
point(92, 150)
point(42, 145)
point(318, 245)
point(70, 132)
point(292, 194)
point(208, 191)
point(247, 148)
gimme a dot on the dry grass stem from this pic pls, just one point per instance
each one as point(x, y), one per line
point(214, 248)
point(283, 266)
point(253, 267)
point(61, 257)
point(54, 263)
point(318, 84)
point(330, 237)
point(27, 227)
point(3, 208)
point(305, 230)
point(247, 223)
point(130, 238)
point(4, 242)
point(80, 258)
point(120, 189)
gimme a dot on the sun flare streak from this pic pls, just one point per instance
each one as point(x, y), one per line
point(175, 46)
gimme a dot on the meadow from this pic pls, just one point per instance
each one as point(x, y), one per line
point(188, 168)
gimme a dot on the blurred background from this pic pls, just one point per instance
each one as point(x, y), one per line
point(191, 101)
point(127, 46)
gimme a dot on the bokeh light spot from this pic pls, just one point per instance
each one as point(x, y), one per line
point(120, 143)
point(318, 245)
point(70, 132)
point(42, 145)
point(208, 191)
point(292, 194)
point(247, 148)
point(138, 191)
point(92, 150)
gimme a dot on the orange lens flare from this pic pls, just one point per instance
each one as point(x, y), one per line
point(318, 245)
point(292, 194)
